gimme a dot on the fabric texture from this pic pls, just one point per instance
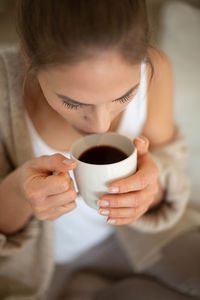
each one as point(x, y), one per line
point(26, 258)
point(104, 273)
point(171, 161)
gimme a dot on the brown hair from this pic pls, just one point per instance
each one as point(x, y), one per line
point(54, 32)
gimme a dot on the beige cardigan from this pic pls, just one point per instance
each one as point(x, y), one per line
point(26, 258)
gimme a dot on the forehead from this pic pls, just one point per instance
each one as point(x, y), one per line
point(106, 76)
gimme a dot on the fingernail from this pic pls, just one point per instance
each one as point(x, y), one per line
point(113, 190)
point(55, 173)
point(68, 162)
point(140, 139)
point(104, 212)
point(111, 221)
point(103, 203)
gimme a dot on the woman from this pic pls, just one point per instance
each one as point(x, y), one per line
point(87, 67)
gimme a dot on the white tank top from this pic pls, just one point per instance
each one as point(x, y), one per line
point(84, 227)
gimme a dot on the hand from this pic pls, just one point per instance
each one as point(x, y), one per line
point(134, 195)
point(49, 195)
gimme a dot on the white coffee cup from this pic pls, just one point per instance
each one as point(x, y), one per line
point(92, 179)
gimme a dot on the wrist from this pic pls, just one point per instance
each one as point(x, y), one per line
point(18, 182)
point(158, 197)
point(15, 210)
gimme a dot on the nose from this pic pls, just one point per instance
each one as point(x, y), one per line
point(100, 119)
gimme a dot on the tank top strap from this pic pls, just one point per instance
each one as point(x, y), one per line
point(134, 116)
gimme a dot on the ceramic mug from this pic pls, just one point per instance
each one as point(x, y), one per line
point(93, 179)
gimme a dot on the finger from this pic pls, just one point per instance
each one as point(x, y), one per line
point(132, 199)
point(120, 221)
point(118, 212)
point(55, 213)
point(57, 200)
point(142, 145)
point(139, 181)
point(62, 198)
point(56, 162)
point(38, 188)
point(130, 212)
point(146, 174)
point(125, 221)
point(59, 211)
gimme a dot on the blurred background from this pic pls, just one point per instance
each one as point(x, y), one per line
point(175, 27)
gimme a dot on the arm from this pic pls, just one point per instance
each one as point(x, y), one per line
point(15, 211)
point(159, 127)
point(168, 149)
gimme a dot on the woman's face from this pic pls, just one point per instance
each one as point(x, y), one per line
point(90, 94)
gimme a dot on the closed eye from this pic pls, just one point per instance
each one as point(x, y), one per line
point(75, 105)
point(72, 106)
point(124, 99)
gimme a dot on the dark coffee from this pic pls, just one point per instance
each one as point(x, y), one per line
point(101, 155)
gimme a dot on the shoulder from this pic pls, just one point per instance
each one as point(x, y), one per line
point(159, 125)
point(159, 58)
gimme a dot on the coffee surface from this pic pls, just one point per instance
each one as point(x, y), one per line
point(101, 155)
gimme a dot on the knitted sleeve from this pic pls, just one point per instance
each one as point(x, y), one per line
point(171, 161)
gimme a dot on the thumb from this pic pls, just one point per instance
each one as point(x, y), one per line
point(142, 144)
point(56, 162)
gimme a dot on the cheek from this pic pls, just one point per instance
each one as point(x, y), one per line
point(49, 96)
point(119, 107)
point(49, 99)
point(70, 115)
point(56, 104)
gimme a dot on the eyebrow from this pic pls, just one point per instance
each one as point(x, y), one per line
point(87, 104)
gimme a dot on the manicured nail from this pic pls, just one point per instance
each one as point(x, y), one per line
point(68, 162)
point(103, 203)
point(113, 190)
point(111, 221)
point(104, 212)
point(140, 139)
point(56, 173)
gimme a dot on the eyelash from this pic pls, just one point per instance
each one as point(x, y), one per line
point(73, 106)
point(124, 99)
